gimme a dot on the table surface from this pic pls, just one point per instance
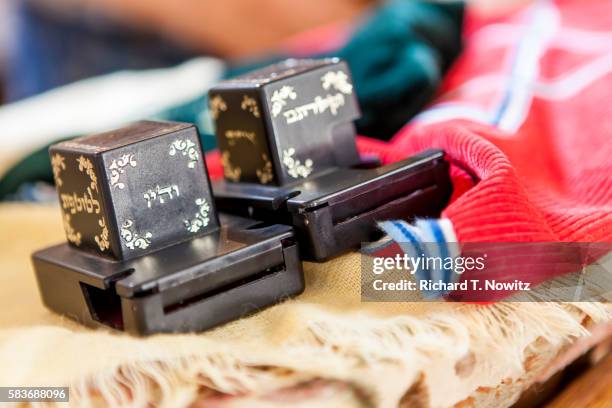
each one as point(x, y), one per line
point(592, 389)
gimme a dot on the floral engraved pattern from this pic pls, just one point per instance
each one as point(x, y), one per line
point(71, 234)
point(217, 105)
point(231, 173)
point(265, 173)
point(295, 168)
point(132, 239)
point(187, 148)
point(58, 163)
point(279, 99)
point(117, 168)
point(201, 219)
point(250, 104)
point(85, 165)
point(102, 239)
point(337, 80)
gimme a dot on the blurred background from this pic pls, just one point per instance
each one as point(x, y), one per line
point(48, 43)
point(85, 66)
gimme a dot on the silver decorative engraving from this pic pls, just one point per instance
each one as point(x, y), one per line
point(132, 239)
point(117, 168)
point(201, 219)
point(337, 80)
point(187, 148)
point(158, 193)
point(295, 168)
point(318, 105)
point(332, 80)
point(279, 99)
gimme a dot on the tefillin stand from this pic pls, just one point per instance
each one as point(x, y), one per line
point(146, 249)
point(287, 144)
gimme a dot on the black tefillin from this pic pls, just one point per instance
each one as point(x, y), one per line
point(147, 251)
point(287, 144)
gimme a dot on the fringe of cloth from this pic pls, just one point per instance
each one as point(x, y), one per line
point(379, 359)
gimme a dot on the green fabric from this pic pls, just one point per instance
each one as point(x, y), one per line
point(397, 59)
point(35, 167)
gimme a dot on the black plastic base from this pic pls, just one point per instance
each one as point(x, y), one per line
point(337, 211)
point(192, 286)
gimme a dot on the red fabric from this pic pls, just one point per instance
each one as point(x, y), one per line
point(551, 179)
point(546, 176)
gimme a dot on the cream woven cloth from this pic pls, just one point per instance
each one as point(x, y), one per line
point(326, 341)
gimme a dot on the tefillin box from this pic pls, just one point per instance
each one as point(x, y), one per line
point(132, 191)
point(147, 251)
point(286, 123)
point(287, 143)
